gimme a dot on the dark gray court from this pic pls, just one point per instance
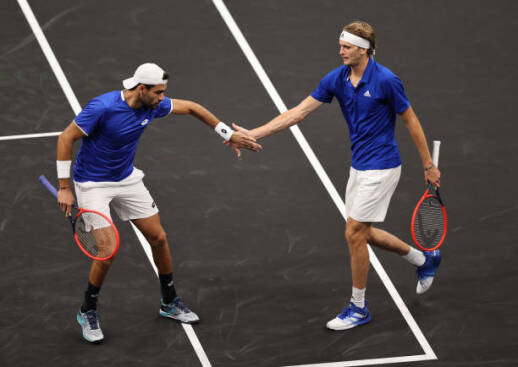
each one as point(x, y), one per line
point(258, 244)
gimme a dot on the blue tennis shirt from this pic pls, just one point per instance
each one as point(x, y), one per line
point(112, 130)
point(370, 111)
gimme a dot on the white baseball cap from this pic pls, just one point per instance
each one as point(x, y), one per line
point(148, 73)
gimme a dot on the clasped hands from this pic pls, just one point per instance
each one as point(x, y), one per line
point(242, 139)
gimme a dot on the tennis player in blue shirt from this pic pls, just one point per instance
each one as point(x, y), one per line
point(370, 97)
point(110, 127)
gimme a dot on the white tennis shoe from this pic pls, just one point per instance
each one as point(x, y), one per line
point(350, 317)
point(89, 322)
point(178, 311)
point(426, 272)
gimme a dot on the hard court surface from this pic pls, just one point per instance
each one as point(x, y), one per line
point(257, 242)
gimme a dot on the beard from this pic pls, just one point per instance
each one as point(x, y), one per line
point(150, 105)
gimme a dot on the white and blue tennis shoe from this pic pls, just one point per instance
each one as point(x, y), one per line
point(350, 317)
point(89, 322)
point(178, 311)
point(426, 272)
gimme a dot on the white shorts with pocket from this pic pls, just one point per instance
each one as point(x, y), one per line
point(129, 198)
point(368, 193)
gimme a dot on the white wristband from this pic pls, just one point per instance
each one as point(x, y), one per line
point(224, 130)
point(63, 168)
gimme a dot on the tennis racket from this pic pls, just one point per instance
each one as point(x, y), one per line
point(94, 232)
point(429, 221)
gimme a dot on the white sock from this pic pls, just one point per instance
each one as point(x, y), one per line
point(358, 297)
point(415, 257)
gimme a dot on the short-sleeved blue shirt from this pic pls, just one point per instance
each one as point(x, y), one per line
point(112, 130)
point(370, 111)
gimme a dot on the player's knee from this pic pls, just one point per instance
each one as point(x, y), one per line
point(355, 237)
point(351, 234)
point(351, 237)
point(158, 239)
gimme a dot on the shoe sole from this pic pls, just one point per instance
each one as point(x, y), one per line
point(168, 316)
point(359, 323)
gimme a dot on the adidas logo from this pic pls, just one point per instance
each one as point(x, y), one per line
point(367, 94)
point(145, 122)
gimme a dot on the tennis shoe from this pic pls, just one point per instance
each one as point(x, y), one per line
point(426, 272)
point(89, 322)
point(178, 311)
point(350, 317)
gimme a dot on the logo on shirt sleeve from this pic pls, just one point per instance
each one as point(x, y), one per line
point(145, 122)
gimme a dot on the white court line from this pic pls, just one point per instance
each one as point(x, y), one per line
point(202, 356)
point(370, 362)
point(274, 95)
point(29, 136)
point(45, 47)
point(76, 107)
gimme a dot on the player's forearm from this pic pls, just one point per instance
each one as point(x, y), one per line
point(279, 123)
point(416, 132)
point(203, 114)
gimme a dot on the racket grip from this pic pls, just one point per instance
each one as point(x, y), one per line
point(48, 185)
point(435, 154)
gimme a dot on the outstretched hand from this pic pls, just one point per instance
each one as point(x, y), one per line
point(242, 138)
point(241, 129)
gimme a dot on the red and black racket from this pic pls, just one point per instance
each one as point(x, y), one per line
point(94, 232)
point(429, 221)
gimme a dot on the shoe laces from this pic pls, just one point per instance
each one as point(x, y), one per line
point(350, 310)
point(91, 317)
point(345, 313)
point(178, 303)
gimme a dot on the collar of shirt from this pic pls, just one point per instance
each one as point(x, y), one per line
point(367, 74)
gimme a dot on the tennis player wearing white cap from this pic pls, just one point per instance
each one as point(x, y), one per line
point(370, 97)
point(110, 127)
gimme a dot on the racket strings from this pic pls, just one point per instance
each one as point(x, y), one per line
point(429, 222)
point(95, 235)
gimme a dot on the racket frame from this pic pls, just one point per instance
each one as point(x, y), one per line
point(427, 194)
point(73, 222)
point(73, 219)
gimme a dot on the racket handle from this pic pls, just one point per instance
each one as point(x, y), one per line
point(48, 185)
point(435, 154)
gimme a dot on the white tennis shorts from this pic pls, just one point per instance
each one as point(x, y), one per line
point(129, 198)
point(368, 193)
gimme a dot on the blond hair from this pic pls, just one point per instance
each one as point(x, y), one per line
point(364, 30)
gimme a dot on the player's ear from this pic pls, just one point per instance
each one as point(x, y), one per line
point(141, 89)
